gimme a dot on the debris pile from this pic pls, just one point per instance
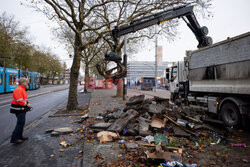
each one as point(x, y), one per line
point(158, 131)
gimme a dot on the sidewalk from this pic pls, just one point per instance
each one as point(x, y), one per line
point(43, 150)
point(102, 100)
point(159, 92)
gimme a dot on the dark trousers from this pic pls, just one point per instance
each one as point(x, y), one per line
point(18, 131)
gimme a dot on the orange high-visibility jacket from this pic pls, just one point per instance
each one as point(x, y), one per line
point(19, 100)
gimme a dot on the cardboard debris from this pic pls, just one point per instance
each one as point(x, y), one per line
point(158, 123)
point(163, 153)
point(106, 136)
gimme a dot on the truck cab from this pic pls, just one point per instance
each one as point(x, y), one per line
point(176, 75)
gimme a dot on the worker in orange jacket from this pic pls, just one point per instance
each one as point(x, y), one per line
point(19, 106)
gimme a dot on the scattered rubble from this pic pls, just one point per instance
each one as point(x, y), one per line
point(154, 131)
point(54, 134)
point(131, 146)
point(64, 130)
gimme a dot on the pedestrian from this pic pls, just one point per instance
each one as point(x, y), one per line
point(19, 106)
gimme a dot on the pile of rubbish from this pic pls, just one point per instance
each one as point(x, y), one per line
point(161, 131)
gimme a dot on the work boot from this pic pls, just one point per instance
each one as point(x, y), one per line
point(24, 138)
point(18, 141)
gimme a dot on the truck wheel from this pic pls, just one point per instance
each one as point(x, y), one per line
point(230, 114)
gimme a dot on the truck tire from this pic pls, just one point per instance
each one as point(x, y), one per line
point(230, 114)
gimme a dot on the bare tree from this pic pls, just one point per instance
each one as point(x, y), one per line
point(99, 17)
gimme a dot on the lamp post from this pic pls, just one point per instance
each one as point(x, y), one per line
point(125, 56)
point(156, 43)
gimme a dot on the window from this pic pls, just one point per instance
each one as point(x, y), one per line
point(10, 79)
point(173, 73)
point(14, 79)
point(1, 79)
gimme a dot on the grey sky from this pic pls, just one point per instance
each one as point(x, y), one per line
point(230, 18)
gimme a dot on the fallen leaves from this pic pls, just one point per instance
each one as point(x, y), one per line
point(64, 143)
point(98, 157)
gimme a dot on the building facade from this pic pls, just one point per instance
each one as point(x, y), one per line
point(138, 69)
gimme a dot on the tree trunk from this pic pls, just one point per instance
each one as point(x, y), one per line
point(119, 92)
point(86, 78)
point(74, 73)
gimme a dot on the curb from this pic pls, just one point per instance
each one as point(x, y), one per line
point(31, 96)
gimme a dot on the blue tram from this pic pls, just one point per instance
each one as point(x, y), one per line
point(9, 79)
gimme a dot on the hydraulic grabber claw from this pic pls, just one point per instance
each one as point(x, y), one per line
point(115, 73)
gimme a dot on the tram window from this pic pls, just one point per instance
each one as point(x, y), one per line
point(14, 79)
point(10, 79)
point(1, 79)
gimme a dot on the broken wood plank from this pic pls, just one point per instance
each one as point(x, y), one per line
point(179, 125)
point(190, 118)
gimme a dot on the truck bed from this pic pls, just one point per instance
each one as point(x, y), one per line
point(223, 67)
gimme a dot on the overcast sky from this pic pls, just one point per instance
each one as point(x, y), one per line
point(230, 18)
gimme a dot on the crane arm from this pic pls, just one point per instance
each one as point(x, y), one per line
point(185, 12)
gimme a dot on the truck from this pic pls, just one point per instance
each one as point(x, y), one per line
point(216, 79)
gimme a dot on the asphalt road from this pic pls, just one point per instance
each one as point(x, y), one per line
point(41, 105)
point(6, 98)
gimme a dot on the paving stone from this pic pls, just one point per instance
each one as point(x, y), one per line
point(136, 100)
point(101, 125)
point(131, 146)
point(178, 132)
point(144, 128)
point(133, 129)
point(54, 134)
point(121, 123)
point(64, 130)
point(156, 108)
